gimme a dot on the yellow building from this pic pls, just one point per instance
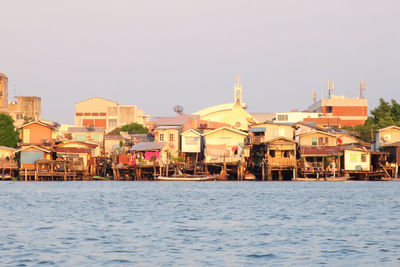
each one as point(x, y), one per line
point(99, 112)
point(170, 134)
point(224, 142)
point(263, 132)
point(7, 152)
point(318, 138)
point(233, 114)
point(387, 135)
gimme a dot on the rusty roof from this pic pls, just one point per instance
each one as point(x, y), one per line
point(321, 150)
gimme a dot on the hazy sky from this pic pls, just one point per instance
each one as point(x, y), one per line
point(156, 54)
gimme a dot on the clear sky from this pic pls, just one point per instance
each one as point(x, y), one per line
point(156, 54)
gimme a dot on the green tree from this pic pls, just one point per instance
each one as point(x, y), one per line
point(384, 115)
point(133, 128)
point(8, 134)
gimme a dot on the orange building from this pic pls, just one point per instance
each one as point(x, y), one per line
point(36, 133)
point(340, 111)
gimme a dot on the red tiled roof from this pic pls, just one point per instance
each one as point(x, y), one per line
point(321, 150)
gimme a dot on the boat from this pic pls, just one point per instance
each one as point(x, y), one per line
point(6, 177)
point(322, 179)
point(197, 178)
point(249, 177)
point(101, 178)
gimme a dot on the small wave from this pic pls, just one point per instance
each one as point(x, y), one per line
point(256, 255)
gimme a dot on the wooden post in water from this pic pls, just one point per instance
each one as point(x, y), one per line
point(195, 163)
point(166, 168)
point(280, 175)
point(263, 170)
point(26, 176)
point(65, 171)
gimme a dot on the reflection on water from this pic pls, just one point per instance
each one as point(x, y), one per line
point(210, 223)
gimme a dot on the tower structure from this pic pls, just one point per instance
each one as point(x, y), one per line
point(3, 91)
point(238, 92)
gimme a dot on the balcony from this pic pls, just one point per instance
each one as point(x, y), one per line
point(256, 140)
point(281, 161)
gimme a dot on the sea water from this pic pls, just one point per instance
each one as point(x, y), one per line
point(199, 223)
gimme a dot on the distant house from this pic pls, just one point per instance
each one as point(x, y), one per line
point(88, 135)
point(36, 133)
point(7, 152)
point(80, 153)
point(357, 160)
point(280, 156)
point(386, 136)
point(317, 138)
point(263, 132)
point(146, 152)
point(171, 134)
point(223, 143)
point(394, 152)
point(32, 153)
point(192, 145)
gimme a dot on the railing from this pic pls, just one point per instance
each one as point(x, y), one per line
point(256, 140)
point(281, 162)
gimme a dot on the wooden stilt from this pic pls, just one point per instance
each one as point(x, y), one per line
point(263, 170)
point(195, 163)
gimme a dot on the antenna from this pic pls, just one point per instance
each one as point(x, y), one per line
point(178, 109)
point(314, 96)
point(331, 87)
point(363, 86)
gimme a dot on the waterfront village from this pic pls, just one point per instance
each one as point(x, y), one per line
point(223, 142)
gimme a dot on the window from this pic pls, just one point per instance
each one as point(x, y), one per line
point(282, 117)
point(112, 123)
point(314, 141)
point(320, 141)
point(171, 137)
point(272, 153)
point(328, 109)
point(161, 137)
point(387, 137)
point(363, 157)
point(80, 137)
point(96, 138)
point(326, 141)
point(191, 140)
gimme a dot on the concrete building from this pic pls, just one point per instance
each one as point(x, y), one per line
point(340, 111)
point(99, 112)
point(23, 108)
point(293, 117)
point(3, 92)
point(233, 114)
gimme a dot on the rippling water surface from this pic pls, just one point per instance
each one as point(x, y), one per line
point(199, 224)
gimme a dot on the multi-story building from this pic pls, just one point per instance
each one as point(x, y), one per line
point(99, 112)
point(3, 92)
point(25, 108)
point(340, 111)
point(295, 116)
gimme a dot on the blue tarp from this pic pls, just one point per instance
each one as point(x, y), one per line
point(258, 130)
point(30, 157)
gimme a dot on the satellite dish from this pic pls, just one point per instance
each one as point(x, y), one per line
point(178, 109)
point(125, 135)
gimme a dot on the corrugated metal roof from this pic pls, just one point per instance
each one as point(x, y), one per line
point(145, 146)
point(258, 129)
point(166, 127)
point(321, 151)
point(8, 148)
point(85, 130)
